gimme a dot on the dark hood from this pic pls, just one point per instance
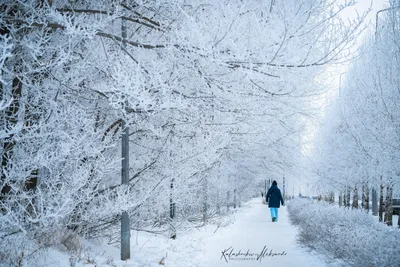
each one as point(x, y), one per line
point(274, 187)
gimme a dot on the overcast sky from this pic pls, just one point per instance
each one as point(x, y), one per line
point(351, 13)
point(363, 6)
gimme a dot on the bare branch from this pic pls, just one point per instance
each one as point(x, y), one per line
point(265, 90)
point(141, 16)
point(91, 11)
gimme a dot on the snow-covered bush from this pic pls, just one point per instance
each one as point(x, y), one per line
point(20, 249)
point(14, 251)
point(351, 235)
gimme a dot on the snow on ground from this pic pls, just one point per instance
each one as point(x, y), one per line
point(251, 231)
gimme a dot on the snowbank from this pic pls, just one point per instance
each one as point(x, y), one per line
point(351, 235)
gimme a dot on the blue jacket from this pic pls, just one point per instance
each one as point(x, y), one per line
point(274, 197)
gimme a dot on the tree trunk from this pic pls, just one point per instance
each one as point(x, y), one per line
point(398, 221)
point(172, 211)
point(234, 198)
point(11, 115)
point(365, 197)
point(380, 202)
point(271, 6)
point(374, 202)
point(355, 197)
point(218, 204)
point(346, 197)
point(205, 199)
point(332, 198)
point(10, 119)
point(227, 201)
point(389, 205)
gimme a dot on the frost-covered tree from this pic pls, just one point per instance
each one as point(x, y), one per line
point(360, 148)
point(201, 84)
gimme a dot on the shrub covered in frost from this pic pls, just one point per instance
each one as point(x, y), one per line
point(351, 235)
point(19, 249)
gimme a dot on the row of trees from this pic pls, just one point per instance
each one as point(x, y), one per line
point(358, 148)
point(214, 94)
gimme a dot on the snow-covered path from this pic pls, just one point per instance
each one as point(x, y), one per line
point(252, 231)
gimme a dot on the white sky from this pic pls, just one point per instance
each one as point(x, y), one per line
point(363, 5)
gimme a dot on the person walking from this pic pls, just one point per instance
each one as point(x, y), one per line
point(274, 199)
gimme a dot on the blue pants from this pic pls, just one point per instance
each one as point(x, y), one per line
point(274, 213)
